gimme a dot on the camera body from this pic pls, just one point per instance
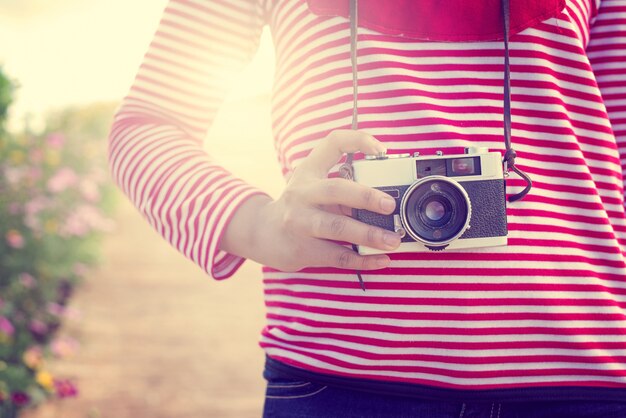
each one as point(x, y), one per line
point(443, 202)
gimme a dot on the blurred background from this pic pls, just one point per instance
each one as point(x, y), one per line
point(99, 316)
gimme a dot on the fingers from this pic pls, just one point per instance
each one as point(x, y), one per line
point(348, 193)
point(337, 209)
point(314, 209)
point(320, 224)
point(327, 254)
point(326, 154)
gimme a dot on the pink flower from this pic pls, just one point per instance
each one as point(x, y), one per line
point(64, 347)
point(55, 140)
point(65, 388)
point(6, 326)
point(85, 219)
point(38, 327)
point(55, 309)
point(14, 239)
point(27, 280)
point(74, 225)
point(62, 180)
point(36, 205)
point(20, 398)
point(72, 313)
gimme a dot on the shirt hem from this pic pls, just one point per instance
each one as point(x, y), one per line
point(556, 393)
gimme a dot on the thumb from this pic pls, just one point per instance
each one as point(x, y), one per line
point(339, 142)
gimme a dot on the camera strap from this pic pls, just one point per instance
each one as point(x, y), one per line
point(346, 170)
point(509, 154)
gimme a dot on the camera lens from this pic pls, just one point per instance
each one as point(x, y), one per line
point(435, 210)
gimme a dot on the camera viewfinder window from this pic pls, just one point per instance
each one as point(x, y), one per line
point(468, 166)
point(425, 168)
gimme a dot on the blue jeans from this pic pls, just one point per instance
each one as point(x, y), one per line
point(291, 398)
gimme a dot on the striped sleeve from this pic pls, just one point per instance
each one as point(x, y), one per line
point(607, 54)
point(156, 153)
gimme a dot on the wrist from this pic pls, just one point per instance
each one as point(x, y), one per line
point(242, 236)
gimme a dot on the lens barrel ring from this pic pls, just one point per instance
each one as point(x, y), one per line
point(458, 198)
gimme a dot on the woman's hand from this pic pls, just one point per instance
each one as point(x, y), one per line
point(293, 232)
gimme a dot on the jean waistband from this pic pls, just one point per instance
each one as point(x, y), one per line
point(384, 387)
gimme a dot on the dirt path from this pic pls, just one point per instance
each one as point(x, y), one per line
point(159, 338)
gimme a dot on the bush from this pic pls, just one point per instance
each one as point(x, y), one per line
point(55, 198)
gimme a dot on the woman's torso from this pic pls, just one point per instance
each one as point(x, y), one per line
point(545, 310)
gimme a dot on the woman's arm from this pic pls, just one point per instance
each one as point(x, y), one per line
point(213, 218)
point(155, 145)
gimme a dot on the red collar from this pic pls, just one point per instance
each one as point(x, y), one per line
point(441, 20)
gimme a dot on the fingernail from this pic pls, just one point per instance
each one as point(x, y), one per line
point(382, 261)
point(387, 204)
point(392, 240)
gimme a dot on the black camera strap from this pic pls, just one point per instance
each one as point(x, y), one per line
point(509, 154)
point(346, 170)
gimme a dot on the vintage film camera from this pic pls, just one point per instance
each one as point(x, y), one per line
point(442, 201)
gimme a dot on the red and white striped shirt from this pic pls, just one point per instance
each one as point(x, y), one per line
point(547, 310)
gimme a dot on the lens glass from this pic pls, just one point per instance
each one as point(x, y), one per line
point(435, 210)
